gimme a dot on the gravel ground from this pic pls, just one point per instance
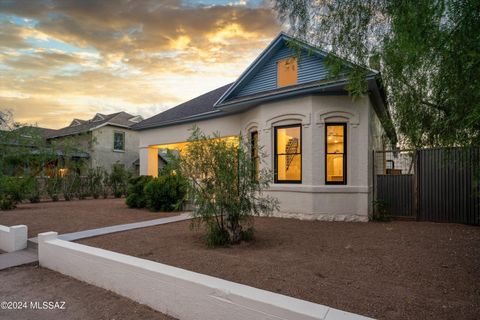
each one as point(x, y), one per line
point(82, 301)
point(72, 216)
point(397, 270)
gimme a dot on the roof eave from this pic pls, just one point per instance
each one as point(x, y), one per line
point(202, 116)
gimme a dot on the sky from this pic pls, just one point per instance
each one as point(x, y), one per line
point(65, 59)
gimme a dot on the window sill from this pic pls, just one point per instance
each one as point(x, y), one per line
point(120, 151)
point(319, 188)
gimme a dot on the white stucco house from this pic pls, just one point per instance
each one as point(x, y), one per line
point(319, 141)
point(107, 139)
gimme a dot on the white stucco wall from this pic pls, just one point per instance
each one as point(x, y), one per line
point(312, 199)
point(103, 155)
point(177, 292)
point(13, 238)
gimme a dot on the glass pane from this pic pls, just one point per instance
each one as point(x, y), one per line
point(118, 141)
point(289, 167)
point(288, 140)
point(335, 139)
point(287, 72)
point(334, 167)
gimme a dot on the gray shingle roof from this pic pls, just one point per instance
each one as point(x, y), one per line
point(121, 119)
point(195, 107)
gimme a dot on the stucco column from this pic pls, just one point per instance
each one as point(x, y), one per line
point(149, 161)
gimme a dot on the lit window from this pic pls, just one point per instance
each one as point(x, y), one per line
point(119, 141)
point(254, 153)
point(288, 154)
point(335, 154)
point(287, 72)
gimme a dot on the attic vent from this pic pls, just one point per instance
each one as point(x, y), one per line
point(75, 122)
point(136, 119)
point(98, 117)
point(287, 72)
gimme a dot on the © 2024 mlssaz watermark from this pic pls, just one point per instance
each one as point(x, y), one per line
point(34, 305)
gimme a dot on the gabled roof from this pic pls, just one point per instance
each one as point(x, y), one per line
point(118, 119)
point(313, 75)
point(201, 106)
point(257, 84)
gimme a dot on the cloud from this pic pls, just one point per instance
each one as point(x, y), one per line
point(139, 56)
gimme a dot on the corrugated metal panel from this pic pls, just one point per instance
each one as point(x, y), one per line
point(447, 189)
point(310, 68)
point(396, 191)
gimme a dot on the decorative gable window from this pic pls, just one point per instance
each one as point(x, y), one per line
point(287, 72)
point(119, 141)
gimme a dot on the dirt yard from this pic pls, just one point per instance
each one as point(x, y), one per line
point(82, 301)
point(397, 270)
point(72, 216)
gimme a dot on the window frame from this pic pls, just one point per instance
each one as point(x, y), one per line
point(123, 134)
point(275, 156)
point(278, 75)
point(344, 125)
point(254, 153)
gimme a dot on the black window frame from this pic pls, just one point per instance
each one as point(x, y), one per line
point(344, 125)
point(254, 153)
point(275, 148)
point(124, 138)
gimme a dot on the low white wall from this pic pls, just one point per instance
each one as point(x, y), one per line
point(13, 238)
point(177, 292)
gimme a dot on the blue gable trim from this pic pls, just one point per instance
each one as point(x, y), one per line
point(261, 75)
point(310, 68)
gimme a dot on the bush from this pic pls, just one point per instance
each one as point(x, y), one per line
point(217, 237)
point(6, 203)
point(226, 187)
point(54, 186)
point(166, 193)
point(118, 180)
point(12, 191)
point(135, 194)
point(33, 190)
point(94, 181)
point(381, 211)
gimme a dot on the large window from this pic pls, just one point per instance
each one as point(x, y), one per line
point(287, 72)
point(336, 161)
point(288, 154)
point(254, 153)
point(119, 141)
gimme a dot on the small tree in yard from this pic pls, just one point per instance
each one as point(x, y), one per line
point(225, 187)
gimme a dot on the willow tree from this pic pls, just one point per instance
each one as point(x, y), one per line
point(427, 52)
point(225, 186)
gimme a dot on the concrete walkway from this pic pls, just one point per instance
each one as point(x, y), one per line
point(30, 254)
point(18, 258)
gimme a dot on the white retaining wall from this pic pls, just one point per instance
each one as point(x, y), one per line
point(13, 238)
point(177, 292)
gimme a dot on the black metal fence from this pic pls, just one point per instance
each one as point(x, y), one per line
point(439, 185)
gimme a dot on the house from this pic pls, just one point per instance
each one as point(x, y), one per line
point(318, 140)
point(108, 139)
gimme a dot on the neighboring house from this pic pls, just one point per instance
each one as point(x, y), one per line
point(108, 139)
point(319, 141)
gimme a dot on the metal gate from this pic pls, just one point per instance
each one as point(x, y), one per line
point(439, 185)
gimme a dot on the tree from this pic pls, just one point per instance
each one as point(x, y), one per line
point(226, 191)
point(428, 54)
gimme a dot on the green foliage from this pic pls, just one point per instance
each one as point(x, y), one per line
point(381, 213)
point(11, 192)
point(54, 186)
point(221, 184)
point(6, 203)
point(166, 193)
point(118, 180)
point(94, 181)
point(136, 197)
point(428, 54)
